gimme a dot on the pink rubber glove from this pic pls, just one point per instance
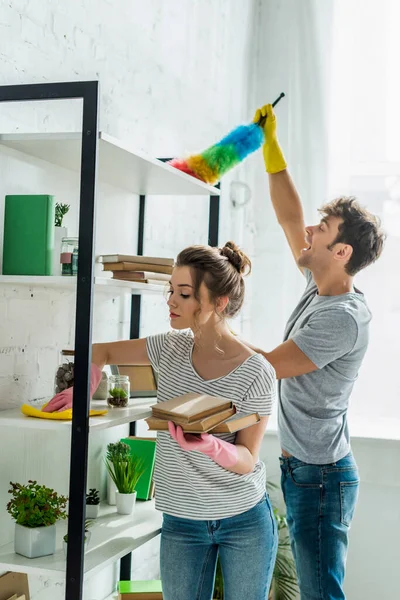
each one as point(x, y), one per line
point(63, 400)
point(221, 452)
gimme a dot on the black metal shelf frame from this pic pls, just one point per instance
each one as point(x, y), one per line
point(88, 92)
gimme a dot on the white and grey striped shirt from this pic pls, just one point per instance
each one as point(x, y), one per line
point(190, 484)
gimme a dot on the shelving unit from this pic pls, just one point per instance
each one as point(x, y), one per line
point(95, 155)
point(138, 408)
point(112, 537)
point(119, 165)
point(133, 287)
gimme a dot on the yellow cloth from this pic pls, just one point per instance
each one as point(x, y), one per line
point(273, 155)
point(64, 415)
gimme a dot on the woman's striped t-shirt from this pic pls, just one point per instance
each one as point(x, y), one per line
point(189, 484)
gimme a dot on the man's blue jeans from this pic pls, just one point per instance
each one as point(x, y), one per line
point(246, 544)
point(320, 502)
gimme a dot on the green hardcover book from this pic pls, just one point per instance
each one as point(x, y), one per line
point(144, 448)
point(28, 235)
point(138, 590)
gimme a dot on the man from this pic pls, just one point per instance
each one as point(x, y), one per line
point(325, 341)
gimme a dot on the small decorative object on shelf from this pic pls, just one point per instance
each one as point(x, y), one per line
point(115, 452)
point(65, 373)
point(102, 391)
point(92, 504)
point(35, 509)
point(118, 391)
point(60, 232)
point(60, 212)
point(69, 256)
point(88, 534)
point(125, 471)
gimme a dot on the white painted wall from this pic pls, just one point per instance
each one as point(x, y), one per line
point(173, 80)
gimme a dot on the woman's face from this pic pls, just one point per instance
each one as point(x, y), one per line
point(184, 310)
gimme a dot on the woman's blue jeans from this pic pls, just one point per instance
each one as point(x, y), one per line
point(320, 502)
point(246, 545)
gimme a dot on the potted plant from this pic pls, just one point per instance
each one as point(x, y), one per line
point(88, 523)
point(35, 509)
point(115, 451)
point(125, 473)
point(284, 580)
point(92, 504)
point(117, 397)
point(59, 233)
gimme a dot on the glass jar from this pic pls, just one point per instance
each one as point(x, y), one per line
point(64, 378)
point(118, 391)
point(69, 256)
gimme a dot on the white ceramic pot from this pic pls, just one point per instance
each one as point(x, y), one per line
point(59, 233)
point(111, 490)
point(92, 511)
point(125, 503)
point(35, 541)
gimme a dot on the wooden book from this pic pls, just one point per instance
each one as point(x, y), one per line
point(116, 258)
point(237, 423)
point(140, 590)
point(190, 407)
point(140, 275)
point(202, 426)
point(137, 267)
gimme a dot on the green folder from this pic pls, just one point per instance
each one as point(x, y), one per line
point(144, 448)
point(140, 587)
point(28, 235)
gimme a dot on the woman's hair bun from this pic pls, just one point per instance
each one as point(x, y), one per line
point(236, 257)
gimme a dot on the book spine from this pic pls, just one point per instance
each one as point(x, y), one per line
point(50, 216)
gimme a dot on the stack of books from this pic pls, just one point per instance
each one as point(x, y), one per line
point(199, 413)
point(146, 269)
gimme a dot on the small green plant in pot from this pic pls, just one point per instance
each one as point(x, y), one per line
point(35, 509)
point(117, 397)
point(125, 472)
point(115, 451)
point(60, 212)
point(88, 523)
point(92, 504)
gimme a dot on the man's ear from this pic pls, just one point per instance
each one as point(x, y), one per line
point(343, 252)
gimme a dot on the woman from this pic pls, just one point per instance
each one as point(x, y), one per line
point(211, 488)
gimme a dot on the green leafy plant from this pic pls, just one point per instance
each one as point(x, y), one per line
point(284, 580)
point(88, 523)
point(125, 473)
point(61, 211)
point(117, 451)
point(93, 498)
point(35, 505)
point(118, 393)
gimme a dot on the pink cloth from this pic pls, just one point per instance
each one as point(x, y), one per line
point(221, 452)
point(63, 400)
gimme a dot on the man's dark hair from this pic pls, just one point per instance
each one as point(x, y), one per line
point(360, 229)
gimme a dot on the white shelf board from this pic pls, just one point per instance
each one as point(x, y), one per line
point(54, 281)
point(138, 408)
point(113, 536)
point(118, 164)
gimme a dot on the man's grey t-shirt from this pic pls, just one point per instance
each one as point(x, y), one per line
point(332, 331)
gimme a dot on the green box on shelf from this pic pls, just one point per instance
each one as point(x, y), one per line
point(28, 243)
point(140, 590)
point(144, 448)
